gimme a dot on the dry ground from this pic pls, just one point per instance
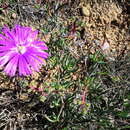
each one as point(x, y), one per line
point(86, 79)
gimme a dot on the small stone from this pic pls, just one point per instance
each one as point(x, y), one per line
point(14, 15)
point(85, 10)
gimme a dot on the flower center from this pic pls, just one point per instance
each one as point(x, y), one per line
point(21, 49)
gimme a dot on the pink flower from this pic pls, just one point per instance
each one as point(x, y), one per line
point(21, 51)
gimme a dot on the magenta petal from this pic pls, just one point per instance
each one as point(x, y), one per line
point(2, 42)
point(27, 68)
point(4, 48)
point(44, 55)
point(36, 59)
point(41, 44)
point(12, 66)
point(2, 54)
point(2, 37)
point(43, 47)
point(6, 58)
point(33, 64)
point(23, 66)
point(9, 35)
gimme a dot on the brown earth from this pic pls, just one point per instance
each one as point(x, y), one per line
point(107, 26)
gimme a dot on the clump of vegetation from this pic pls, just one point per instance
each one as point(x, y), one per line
point(83, 85)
